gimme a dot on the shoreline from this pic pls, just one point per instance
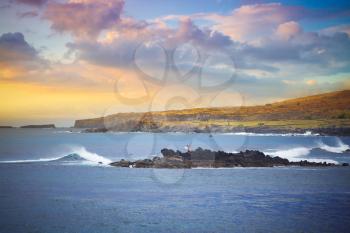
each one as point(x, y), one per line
point(338, 132)
point(237, 131)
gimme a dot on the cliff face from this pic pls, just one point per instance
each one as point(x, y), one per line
point(122, 122)
point(330, 106)
point(89, 123)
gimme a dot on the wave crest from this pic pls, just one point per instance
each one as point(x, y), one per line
point(340, 148)
point(301, 153)
point(291, 153)
point(77, 155)
point(307, 133)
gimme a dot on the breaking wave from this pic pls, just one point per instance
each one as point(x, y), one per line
point(307, 133)
point(340, 148)
point(297, 154)
point(301, 153)
point(77, 155)
point(80, 156)
point(290, 153)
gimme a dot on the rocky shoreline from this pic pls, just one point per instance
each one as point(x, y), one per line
point(215, 159)
point(330, 131)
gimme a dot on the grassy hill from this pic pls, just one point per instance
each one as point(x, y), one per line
point(323, 110)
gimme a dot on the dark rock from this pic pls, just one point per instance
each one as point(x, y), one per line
point(39, 126)
point(207, 158)
point(332, 131)
point(146, 163)
point(122, 163)
point(95, 130)
point(345, 164)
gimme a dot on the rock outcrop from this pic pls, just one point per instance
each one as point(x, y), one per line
point(95, 130)
point(38, 126)
point(215, 159)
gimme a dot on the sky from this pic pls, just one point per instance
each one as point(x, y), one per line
point(74, 59)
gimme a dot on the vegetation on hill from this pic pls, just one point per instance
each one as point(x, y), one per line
point(330, 110)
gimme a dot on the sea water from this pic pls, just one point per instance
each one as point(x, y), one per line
point(58, 180)
point(47, 144)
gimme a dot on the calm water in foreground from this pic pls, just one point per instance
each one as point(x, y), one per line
point(56, 198)
point(41, 190)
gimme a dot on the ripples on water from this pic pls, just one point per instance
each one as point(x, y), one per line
point(51, 198)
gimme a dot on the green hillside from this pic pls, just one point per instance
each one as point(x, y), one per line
point(324, 110)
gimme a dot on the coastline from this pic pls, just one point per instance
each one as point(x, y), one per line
point(251, 131)
point(323, 114)
point(331, 131)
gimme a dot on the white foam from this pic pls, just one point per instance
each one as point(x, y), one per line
point(65, 131)
point(90, 157)
point(297, 154)
point(300, 153)
point(340, 148)
point(316, 160)
point(290, 153)
point(307, 133)
point(30, 160)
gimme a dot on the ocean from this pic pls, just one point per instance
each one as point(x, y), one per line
point(58, 180)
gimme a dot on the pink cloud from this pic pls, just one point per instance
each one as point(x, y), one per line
point(287, 30)
point(206, 38)
point(250, 22)
point(311, 82)
point(84, 18)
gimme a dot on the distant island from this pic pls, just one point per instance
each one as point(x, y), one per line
point(325, 114)
point(214, 159)
point(38, 126)
point(6, 127)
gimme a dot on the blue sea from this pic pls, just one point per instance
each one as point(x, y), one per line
point(44, 189)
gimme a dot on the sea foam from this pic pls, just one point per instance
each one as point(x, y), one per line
point(76, 155)
point(301, 153)
point(340, 148)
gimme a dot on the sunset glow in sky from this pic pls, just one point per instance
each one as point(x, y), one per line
point(62, 60)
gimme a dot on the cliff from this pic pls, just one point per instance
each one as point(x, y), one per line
point(322, 112)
